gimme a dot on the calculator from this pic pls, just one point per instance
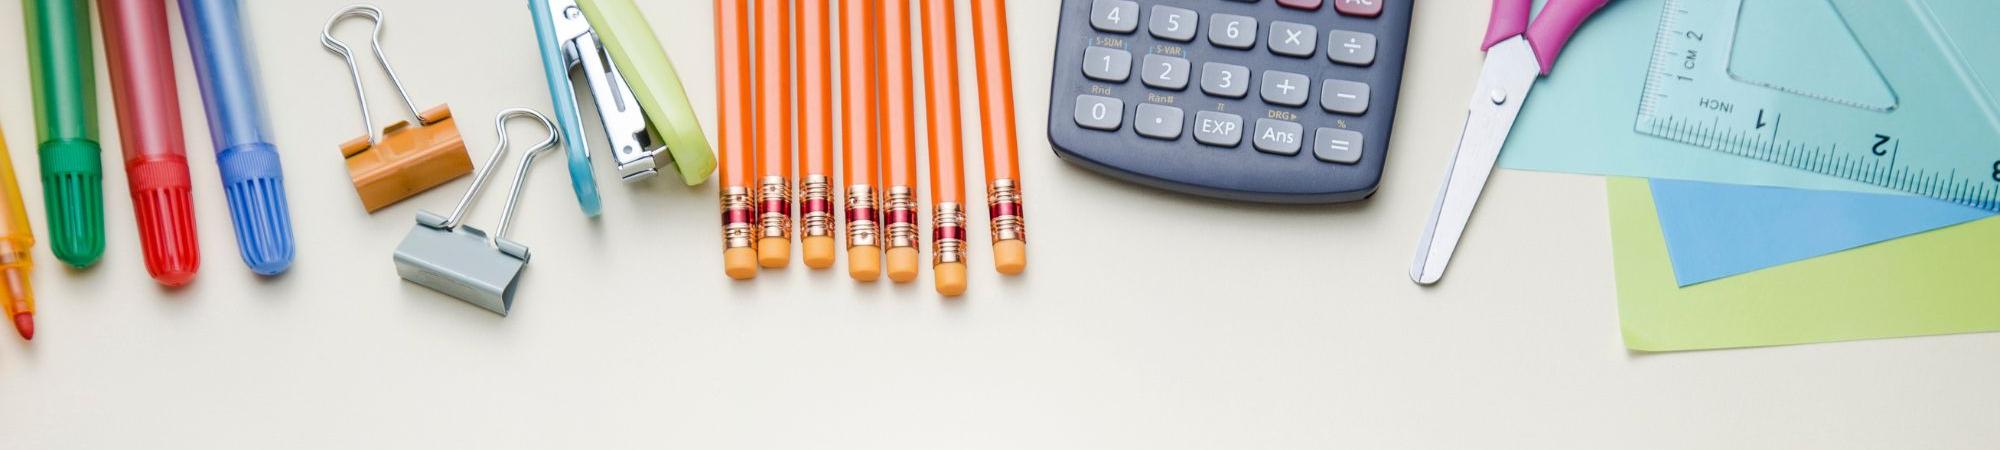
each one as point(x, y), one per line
point(1277, 101)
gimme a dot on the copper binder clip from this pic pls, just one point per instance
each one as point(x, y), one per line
point(405, 158)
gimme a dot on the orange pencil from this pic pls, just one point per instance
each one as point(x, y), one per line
point(899, 140)
point(996, 117)
point(948, 250)
point(857, 110)
point(774, 131)
point(816, 149)
point(732, 72)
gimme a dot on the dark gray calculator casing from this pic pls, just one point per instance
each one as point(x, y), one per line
point(1241, 172)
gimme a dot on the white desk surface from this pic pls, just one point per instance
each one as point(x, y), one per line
point(1147, 320)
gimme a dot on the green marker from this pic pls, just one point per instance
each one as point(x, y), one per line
point(59, 57)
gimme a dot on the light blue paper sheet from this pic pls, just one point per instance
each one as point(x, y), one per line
point(1719, 230)
point(1579, 118)
point(1580, 121)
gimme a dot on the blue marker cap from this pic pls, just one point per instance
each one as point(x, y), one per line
point(252, 178)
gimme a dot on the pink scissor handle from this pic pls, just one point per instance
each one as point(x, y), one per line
point(1510, 18)
point(1551, 30)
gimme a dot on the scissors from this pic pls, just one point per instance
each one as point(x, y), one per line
point(1516, 54)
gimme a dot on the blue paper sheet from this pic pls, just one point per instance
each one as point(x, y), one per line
point(1719, 230)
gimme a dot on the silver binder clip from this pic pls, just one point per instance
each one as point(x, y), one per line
point(462, 261)
point(569, 43)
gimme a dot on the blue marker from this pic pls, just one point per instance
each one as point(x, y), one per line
point(251, 176)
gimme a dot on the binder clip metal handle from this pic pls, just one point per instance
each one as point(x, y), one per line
point(462, 261)
point(404, 158)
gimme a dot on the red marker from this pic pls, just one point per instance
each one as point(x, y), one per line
point(149, 124)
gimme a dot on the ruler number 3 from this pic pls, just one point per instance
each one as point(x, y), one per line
point(1996, 171)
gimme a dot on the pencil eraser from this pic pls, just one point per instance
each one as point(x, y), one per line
point(24, 323)
point(950, 278)
point(903, 264)
point(740, 263)
point(819, 251)
point(774, 253)
point(1010, 256)
point(864, 262)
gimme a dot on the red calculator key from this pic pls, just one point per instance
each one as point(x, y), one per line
point(1359, 8)
point(1308, 5)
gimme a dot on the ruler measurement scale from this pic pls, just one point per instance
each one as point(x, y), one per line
point(1691, 97)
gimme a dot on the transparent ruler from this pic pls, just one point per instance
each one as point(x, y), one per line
point(1928, 127)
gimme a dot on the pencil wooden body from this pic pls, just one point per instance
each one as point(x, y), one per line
point(947, 140)
point(994, 64)
point(816, 112)
point(899, 139)
point(859, 162)
point(772, 35)
point(737, 133)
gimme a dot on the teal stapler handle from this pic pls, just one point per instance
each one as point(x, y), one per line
point(556, 68)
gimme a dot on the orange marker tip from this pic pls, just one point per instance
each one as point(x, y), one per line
point(950, 278)
point(25, 323)
point(740, 263)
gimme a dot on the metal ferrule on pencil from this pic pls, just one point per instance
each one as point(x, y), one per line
point(948, 234)
point(816, 206)
point(863, 220)
point(738, 218)
point(900, 213)
point(774, 201)
point(1003, 204)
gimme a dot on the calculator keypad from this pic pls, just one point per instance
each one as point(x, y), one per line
point(1275, 98)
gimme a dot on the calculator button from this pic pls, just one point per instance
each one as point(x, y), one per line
point(1218, 129)
point(1158, 121)
point(1174, 24)
point(1278, 137)
point(1232, 31)
point(1099, 113)
point(1308, 5)
point(1293, 39)
point(1286, 88)
point(1359, 8)
point(1338, 146)
point(1107, 64)
point(1114, 16)
point(1345, 97)
point(1352, 48)
point(1225, 80)
point(1165, 72)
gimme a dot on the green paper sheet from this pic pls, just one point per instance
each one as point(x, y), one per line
point(1942, 282)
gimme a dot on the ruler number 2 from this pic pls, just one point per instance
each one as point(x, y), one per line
point(1884, 144)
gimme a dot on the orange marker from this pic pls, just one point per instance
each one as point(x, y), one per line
point(947, 136)
point(816, 149)
point(857, 109)
point(899, 140)
point(732, 72)
point(996, 116)
point(17, 242)
point(772, 31)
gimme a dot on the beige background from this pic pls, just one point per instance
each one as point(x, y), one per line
point(1148, 320)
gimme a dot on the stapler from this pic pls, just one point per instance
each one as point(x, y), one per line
point(648, 122)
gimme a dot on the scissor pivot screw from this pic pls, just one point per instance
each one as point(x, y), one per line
point(1499, 97)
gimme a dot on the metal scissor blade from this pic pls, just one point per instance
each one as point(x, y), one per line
point(1504, 83)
